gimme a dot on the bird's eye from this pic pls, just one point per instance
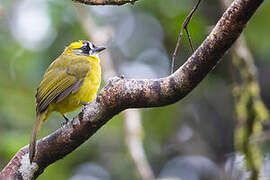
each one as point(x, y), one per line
point(85, 48)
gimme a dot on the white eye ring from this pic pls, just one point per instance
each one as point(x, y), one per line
point(90, 45)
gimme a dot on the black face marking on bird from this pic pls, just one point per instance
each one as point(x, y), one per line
point(88, 49)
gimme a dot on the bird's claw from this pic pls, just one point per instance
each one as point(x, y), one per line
point(66, 120)
point(84, 104)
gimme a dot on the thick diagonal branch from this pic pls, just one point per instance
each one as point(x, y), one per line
point(120, 94)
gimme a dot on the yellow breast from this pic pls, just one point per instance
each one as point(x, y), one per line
point(86, 93)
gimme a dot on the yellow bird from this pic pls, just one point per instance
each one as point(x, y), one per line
point(71, 81)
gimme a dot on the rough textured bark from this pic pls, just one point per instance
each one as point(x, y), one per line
point(121, 93)
point(105, 2)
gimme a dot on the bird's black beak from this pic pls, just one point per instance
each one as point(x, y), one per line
point(99, 48)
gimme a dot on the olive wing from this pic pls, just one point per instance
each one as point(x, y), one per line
point(59, 82)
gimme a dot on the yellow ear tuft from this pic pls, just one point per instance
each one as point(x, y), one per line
point(76, 45)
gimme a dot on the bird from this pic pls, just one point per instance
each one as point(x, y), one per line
point(70, 82)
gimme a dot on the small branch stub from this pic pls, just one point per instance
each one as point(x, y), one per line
point(105, 2)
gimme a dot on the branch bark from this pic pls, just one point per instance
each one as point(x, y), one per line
point(120, 94)
point(105, 2)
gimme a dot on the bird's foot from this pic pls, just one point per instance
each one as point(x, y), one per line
point(84, 104)
point(66, 120)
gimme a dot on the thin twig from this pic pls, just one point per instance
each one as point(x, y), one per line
point(184, 26)
point(189, 40)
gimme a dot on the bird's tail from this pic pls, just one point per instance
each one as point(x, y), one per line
point(40, 118)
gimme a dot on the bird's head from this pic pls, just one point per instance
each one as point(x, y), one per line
point(85, 48)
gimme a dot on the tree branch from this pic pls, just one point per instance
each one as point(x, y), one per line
point(120, 94)
point(105, 2)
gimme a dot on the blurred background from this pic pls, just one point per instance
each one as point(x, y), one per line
point(192, 139)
